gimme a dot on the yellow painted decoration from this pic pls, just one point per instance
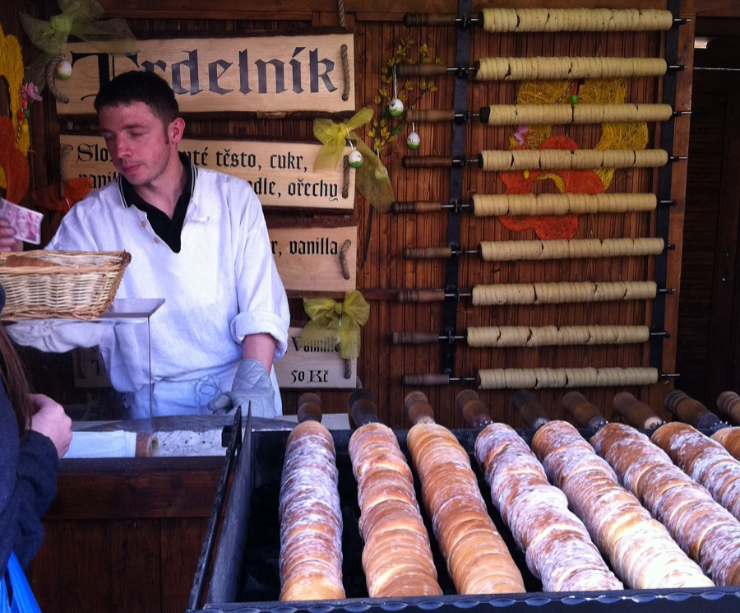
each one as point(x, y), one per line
point(591, 91)
point(11, 68)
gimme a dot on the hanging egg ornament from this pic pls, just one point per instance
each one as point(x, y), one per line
point(355, 159)
point(396, 107)
point(413, 140)
point(63, 70)
point(573, 99)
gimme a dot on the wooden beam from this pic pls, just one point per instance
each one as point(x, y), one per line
point(717, 8)
point(159, 487)
point(382, 10)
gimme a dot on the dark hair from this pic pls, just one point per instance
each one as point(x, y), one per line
point(16, 382)
point(140, 86)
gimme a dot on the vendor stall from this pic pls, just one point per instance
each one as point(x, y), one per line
point(486, 199)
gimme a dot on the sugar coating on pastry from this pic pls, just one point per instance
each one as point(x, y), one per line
point(397, 557)
point(310, 517)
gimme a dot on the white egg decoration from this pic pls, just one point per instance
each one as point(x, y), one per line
point(63, 70)
point(396, 107)
point(355, 159)
point(413, 140)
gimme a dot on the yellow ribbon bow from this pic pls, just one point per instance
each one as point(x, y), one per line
point(79, 18)
point(334, 137)
point(330, 319)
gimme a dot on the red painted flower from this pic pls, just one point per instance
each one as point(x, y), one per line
point(550, 227)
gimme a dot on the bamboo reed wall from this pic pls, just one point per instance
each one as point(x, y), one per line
point(384, 237)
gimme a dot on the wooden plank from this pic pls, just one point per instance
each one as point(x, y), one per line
point(155, 487)
point(684, 82)
point(258, 74)
point(181, 542)
point(308, 258)
point(135, 566)
point(85, 560)
point(281, 173)
point(314, 368)
point(383, 10)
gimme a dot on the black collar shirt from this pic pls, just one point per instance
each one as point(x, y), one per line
point(169, 230)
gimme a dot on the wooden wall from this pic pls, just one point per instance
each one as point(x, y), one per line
point(125, 535)
point(383, 237)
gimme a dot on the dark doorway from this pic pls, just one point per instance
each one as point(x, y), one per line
point(708, 352)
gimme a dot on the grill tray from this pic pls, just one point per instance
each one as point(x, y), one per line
point(245, 575)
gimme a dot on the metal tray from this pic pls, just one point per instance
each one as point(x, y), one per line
point(244, 571)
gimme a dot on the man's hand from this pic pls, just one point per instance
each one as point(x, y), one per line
point(8, 242)
point(251, 383)
point(51, 421)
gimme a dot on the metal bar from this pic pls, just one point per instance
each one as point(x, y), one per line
point(196, 593)
point(717, 69)
point(665, 180)
point(232, 543)
point(449, 314)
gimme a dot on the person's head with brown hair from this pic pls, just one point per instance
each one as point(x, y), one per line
point(14, 377)
point(139, 120)
point(140, 86)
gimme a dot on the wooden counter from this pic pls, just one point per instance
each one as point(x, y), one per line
point(125, 534)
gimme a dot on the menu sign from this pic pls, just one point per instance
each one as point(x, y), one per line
point(280, 173)
point(259, 74)
point(314, 367)
point(316, 259)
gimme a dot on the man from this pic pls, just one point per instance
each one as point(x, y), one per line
point(198, 239)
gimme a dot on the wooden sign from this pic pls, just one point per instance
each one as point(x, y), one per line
point(310, 259)
point(258, 74)
point(304, 367)
point(280, 173)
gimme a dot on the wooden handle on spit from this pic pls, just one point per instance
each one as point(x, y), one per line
point(411, 20)
point(585, 414)
point(362, 408)
point(415, 338)
point(421, 70)
point(427, 379)
point(147, 445)
point(416, 207)
point(309, 408)
point(427, 253)
point(475, 413)
point(531, 411)
point(418, 408)
point(636, 413)
point(426, 161)
point(689, 410)
point(728, 404)
point(420, 295)
point(430, 115)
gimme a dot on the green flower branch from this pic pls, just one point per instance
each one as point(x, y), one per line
point(386, 128)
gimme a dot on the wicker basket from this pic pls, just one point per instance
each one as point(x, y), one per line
point(60, 284)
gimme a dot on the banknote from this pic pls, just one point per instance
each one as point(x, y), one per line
point(25, 223)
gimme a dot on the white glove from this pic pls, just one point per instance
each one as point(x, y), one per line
point(251, 384)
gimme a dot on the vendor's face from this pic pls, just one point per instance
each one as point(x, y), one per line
point(141, 146)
